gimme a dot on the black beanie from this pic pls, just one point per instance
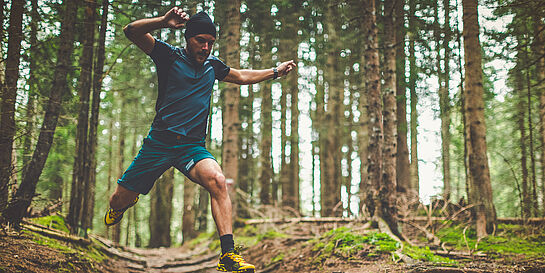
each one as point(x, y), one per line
point(199, 23)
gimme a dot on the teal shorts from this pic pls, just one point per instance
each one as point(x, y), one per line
point(160, 151)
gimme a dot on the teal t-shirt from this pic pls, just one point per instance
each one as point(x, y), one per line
point(185, 89)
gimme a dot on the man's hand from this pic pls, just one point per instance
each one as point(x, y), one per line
point(175, 18)
point(285, 68)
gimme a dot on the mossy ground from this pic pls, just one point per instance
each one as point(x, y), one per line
point(507, 239)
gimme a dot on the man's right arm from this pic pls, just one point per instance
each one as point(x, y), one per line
point(139, 31)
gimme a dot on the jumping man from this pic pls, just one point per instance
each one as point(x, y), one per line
point(177, 136)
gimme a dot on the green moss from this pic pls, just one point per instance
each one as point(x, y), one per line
point(342, 242)
point(425, 254)
point(508, 239)
point(278, 258)
point(52, 221)
point(271, 234)
point(51, 243)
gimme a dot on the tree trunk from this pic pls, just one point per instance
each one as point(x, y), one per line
point(229, 36)
point(414, 189)
point(444, 100)
point(290, 41)
point(474, 111)
point(266, 173)
point(79, 194)
point(334, 117)
point(93, 122)
point(444, 105)
point(9, 95)
point(189, 231)
point(161, 210)
point(18, 206)
point(373, 87)
point(388, 187)
point(33, 85)
point(116, 233)
point(521, 114)
point(402, 160)
point(533, 197)
point(540, 73)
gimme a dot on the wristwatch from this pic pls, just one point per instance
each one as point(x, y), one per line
point(275, 73)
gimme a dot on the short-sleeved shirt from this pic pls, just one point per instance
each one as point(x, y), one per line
point(185, 89)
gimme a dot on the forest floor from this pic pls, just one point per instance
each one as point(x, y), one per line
point(295, 246)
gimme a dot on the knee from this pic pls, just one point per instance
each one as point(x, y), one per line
point(217, 183)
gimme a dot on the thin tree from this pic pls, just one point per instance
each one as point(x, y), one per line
point(290, 186)
point(32, 83)
point(22, 199)
point(80, 171)
point(331, 180)
point(161, 211)
point(189, 231)
point(413, 75)
point(481, 188)
point(444, 99)
point(229, 37)
point(95, 108)
point(388, 193)
point(520, 116)
point(373, 88)
point(402, 163)
point(539, 48)
point(9, 95)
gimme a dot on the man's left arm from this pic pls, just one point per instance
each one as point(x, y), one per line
point(248, 76)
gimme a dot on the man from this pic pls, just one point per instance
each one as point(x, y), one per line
point(177, 135)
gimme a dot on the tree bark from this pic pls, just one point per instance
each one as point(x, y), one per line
point(334, 117)
point(9, 95)
point(116, 233)
point(373, 88)
point(414, 189)
point(266, 172)
point(521, 114)
point(95, 108)
point(539, 49)
point(189, 231)
point(18, 206)
point(388, 187)
point(474, 111)
point(161, 210)
point(79, 192)
point(229, 35)
point(444, 100)
point(290, 41)
point(33, 85)
point(402, 160)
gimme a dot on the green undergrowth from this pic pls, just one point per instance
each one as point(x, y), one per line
point(52, 221)
point(344, 243)
point(508, 239)
point(91, 253)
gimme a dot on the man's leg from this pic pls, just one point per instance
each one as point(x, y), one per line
point(208, 174)
point(122, 197)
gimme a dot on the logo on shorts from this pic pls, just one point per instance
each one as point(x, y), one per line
point(190, 164)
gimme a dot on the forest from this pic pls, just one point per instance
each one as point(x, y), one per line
point(409, 115)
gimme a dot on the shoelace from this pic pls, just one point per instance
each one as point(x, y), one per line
point(236, 258)
point(114, 213)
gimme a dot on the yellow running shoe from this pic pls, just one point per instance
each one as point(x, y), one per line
point(113, 216)
point(232, 261)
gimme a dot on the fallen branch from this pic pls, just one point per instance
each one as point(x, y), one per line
point(305, 220)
